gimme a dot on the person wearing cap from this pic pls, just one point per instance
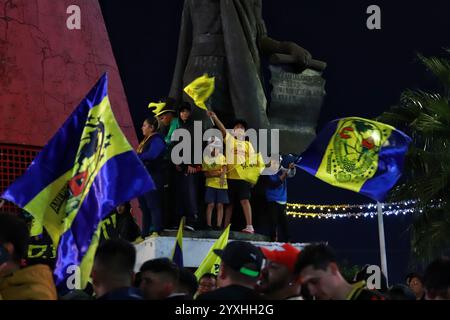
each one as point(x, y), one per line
point(239, 270)
point(279, 281)
point(165, 112)
point(275, 183)
point(238, 150)
point(216, 193)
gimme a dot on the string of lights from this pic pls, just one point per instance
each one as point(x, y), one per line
point(369, 210)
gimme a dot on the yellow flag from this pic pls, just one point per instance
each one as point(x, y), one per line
point(36, 228)
point(251, 169)
point(211, 262)
point(200, 90)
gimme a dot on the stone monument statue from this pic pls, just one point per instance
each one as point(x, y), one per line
point(226, 38)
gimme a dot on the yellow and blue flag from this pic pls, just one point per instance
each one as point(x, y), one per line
point(81, 175)
point(177, 252)
point(211, 262)
point(358, 154)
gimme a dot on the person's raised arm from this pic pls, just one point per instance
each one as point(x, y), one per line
point(218, 123)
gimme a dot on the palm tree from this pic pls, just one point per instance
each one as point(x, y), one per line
point(425, 116)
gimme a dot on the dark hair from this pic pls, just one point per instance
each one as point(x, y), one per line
point(137, 279)
point(401, 292)
point(437, 276)
point(413, 275)
point(162, 265)
point(15, 231)
point(184, 106)
point(241, 122)
point(152, 121)
point(116, 257)
point(187, 281)
point(318, 255)
point(208, 275)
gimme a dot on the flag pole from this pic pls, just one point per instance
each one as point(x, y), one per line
point(382, 241)
point(208, 108)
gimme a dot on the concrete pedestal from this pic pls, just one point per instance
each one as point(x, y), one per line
point(194, 248)
point(295, 107)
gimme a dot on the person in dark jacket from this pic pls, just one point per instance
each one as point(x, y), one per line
point(151, 151)
point(187, 173)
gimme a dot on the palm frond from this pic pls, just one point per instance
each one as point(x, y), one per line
point(430, 234)
point(440, 67)
point(426, 123)
point(425, 116)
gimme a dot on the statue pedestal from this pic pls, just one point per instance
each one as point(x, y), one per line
point(295, 106)
point(195, 248)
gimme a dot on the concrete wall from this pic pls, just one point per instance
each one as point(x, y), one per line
point(46, 69)
point(194, 249)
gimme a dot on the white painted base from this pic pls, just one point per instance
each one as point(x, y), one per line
point(194, 249)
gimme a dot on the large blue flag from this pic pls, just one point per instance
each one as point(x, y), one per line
point(81, 175)
point(357, 154)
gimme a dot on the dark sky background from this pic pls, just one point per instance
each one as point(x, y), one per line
point(367, 70)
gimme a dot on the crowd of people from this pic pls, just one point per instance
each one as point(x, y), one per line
point(212, 189)
point(207, 193)
point(246, 272)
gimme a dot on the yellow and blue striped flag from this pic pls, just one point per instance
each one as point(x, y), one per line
point(177, 252)
point(81, 175)
point(358, 154)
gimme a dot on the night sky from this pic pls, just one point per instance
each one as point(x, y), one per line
point(367, 70)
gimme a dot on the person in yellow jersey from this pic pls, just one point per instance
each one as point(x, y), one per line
point(238, 150)
point(216, 192)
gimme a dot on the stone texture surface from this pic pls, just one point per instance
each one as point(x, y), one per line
point(46, 69)
point(295, 107)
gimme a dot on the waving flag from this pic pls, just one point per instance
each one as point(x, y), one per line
point(211, 262)
point(358, 154)
point(177, 252)
point(81, 175)
point(200, 90)
point(252, 168)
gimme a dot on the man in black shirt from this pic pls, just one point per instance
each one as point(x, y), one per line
point(239, 271)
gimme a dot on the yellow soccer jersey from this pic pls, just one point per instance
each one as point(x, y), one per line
point(213, 164)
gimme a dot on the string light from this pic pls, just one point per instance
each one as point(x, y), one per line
point(299, 210)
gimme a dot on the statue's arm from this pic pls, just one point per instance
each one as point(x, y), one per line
point(286, 52)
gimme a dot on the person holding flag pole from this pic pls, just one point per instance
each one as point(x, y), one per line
point(239, 153)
